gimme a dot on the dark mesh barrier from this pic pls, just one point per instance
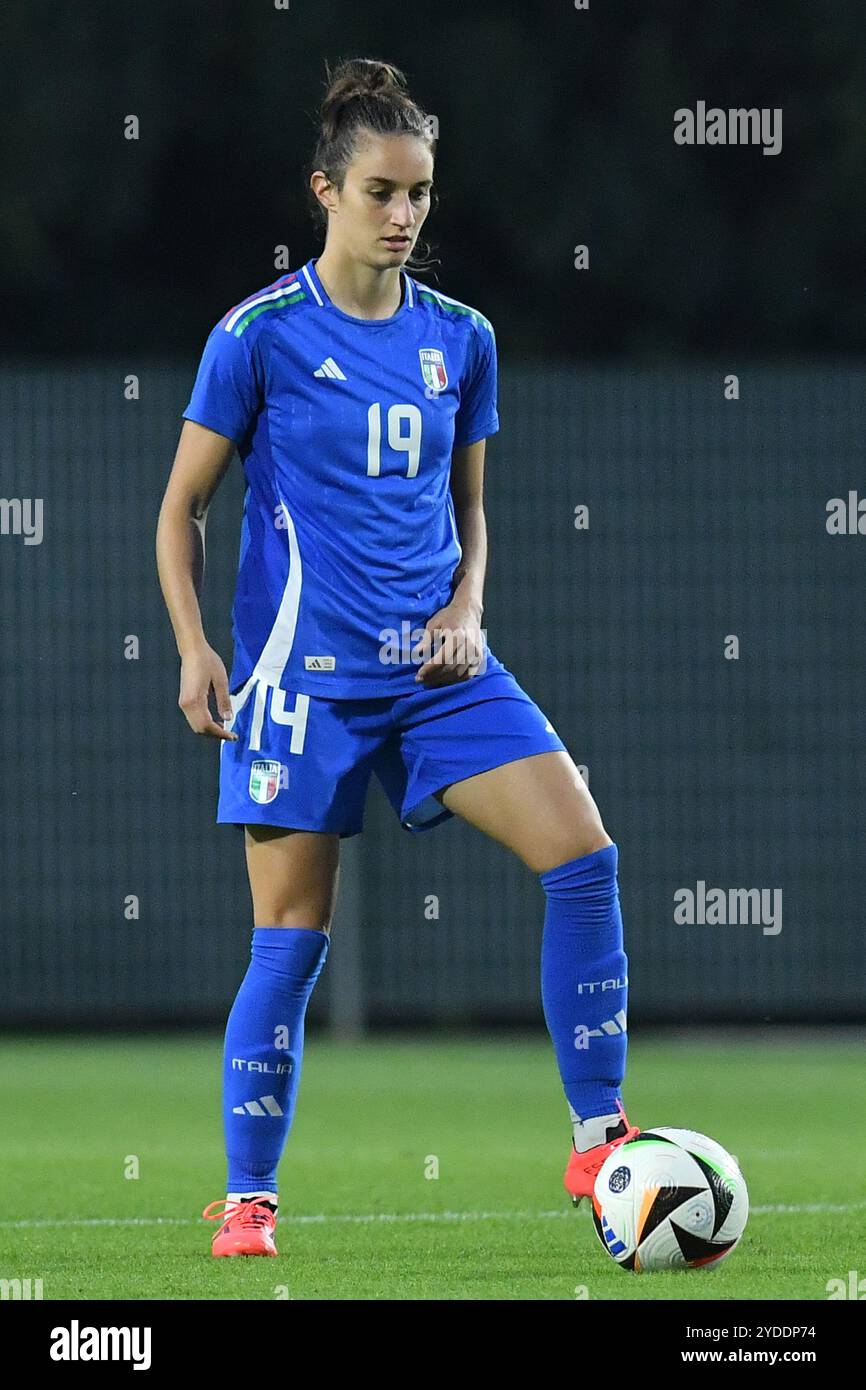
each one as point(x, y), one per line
point(123, 900)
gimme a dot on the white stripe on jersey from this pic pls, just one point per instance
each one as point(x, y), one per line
point(262, 299)
point(277, 649)
point(446, 299)
point(309, 279)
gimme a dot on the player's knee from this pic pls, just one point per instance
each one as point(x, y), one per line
point(315, 917)
point(576, 843)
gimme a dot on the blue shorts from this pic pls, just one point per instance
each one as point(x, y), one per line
point(305, 762)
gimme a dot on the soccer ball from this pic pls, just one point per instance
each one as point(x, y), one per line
point(669, 1199)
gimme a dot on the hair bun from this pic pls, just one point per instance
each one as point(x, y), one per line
point(361, 77)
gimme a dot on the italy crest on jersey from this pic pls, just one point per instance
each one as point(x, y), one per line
point(433, 368)
point(264, 780)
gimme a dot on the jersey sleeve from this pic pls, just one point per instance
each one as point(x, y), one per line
point(476, 415)
point(228, 390)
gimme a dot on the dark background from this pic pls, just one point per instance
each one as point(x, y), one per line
point(555, 128)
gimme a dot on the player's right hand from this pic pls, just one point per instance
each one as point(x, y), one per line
point(202, 670)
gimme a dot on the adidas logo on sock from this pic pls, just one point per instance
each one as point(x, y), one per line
point(265, 1105)
point(610, 1028)
point(330, 368)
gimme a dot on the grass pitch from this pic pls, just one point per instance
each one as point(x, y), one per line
point(110, 1148)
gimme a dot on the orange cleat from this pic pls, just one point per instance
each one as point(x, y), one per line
point(247, 1229)
point(583, 1168)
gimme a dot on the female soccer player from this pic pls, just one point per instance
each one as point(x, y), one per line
point(359, 402)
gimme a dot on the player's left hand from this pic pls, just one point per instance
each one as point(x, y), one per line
point(457, 642)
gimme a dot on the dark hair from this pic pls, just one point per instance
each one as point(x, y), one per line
point(364, 94)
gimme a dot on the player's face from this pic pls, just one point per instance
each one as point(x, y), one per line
point(386, 197)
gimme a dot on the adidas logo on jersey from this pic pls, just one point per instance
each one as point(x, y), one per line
point(330, 368)
point(265, 1105)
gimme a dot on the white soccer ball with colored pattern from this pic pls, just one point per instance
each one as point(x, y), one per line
point(670, 1199)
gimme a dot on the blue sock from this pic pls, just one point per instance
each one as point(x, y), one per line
point(584, 982)
point(264, 1045)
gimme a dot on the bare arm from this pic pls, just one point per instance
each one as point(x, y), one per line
point(200, 463)
point(467, 490)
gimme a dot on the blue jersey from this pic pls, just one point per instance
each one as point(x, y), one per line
point(345, 428)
